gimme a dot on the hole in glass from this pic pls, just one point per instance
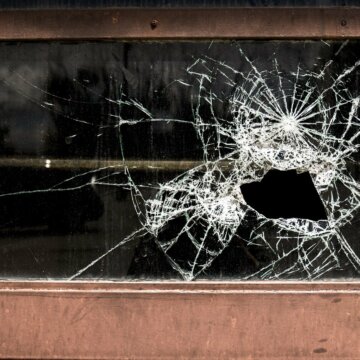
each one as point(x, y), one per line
point(285, 194)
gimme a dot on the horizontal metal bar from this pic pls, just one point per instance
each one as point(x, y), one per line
point(210, 23)
point(180, 286)
point(93, 164)
point(89, 164)
point(177, 320)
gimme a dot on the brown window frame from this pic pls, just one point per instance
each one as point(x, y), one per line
point(268, 320)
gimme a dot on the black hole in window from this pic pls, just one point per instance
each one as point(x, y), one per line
point(285, 194)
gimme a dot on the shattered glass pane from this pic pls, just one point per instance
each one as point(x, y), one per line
point(180, 160)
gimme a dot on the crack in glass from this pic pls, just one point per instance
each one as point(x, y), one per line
point(251, 122)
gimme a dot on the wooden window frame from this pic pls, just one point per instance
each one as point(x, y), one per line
point(252, 320)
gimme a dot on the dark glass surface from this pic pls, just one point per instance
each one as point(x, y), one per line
point(111, 150)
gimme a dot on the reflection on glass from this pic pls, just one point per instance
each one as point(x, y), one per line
point(179, 160)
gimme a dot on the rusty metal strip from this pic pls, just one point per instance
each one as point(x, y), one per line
point(42, 322)
point(89, 287)
point(222, 23)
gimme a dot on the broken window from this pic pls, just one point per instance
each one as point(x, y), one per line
point(186, 160)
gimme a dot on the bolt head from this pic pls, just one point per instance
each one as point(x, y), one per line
point(154, 23)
